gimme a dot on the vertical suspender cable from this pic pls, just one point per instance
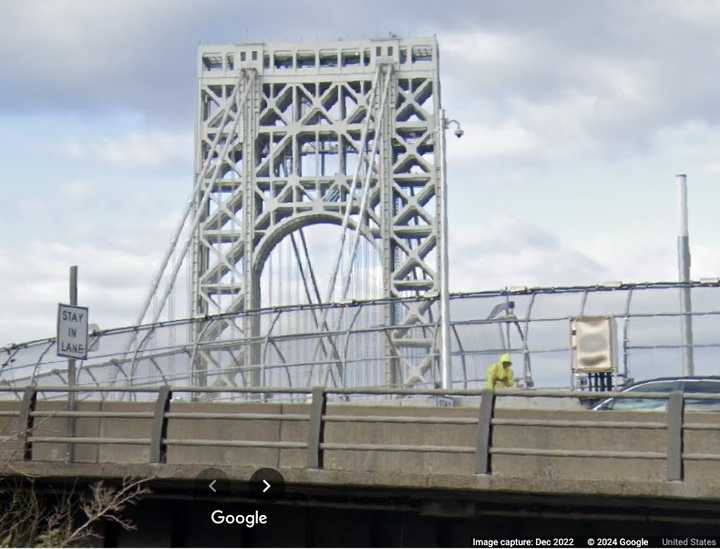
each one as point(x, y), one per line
point(366, 187)
point(172, 341)
point(196, 217)
point(351, 193)
point(186, 214)
point(213, 179)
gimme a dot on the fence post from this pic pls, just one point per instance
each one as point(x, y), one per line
point(158, 448)
point(482, 452)
point(315, 428)
point(675, 436)
point(26, 421)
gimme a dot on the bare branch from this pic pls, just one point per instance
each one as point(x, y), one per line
point(106, 501)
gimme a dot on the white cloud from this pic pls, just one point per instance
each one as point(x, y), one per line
point(705, 14)
point(114, 276)
point(634, 259)
point(693, 146)
point(78, 190)
point(505, 251)
point(79, 39)
point(507, 139)
point(485, 51)
point(134, 150)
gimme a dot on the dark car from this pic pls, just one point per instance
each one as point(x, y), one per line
point(688, 385)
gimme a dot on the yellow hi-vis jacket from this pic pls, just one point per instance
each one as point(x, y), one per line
point(498, 374)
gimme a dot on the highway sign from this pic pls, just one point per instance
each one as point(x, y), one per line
point(72, 331)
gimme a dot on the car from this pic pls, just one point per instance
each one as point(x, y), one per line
point(688, 385)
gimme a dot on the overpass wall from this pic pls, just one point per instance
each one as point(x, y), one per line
point(525, 465)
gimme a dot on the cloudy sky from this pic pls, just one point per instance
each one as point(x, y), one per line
point(577, 115)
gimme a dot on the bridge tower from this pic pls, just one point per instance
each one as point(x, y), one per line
point(343, 133)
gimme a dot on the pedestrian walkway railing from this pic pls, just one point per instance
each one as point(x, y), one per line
point(324, 407)
point(365, 343)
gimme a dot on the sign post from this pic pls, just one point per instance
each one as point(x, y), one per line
point(72, 342)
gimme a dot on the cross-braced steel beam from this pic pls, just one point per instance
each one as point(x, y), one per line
point(290, 135)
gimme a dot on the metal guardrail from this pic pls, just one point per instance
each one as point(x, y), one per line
point(318, 418)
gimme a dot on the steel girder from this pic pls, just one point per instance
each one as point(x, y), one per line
point(291, 131)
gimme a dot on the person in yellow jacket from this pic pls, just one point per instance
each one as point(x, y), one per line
point(500, 373)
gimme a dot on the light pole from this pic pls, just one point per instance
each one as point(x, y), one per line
point(445, 357)
point(684, 276)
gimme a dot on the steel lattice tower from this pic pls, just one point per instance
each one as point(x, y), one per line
point(367, 116)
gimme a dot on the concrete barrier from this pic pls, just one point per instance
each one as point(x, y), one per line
point(225, 430)
point(701, 442)
point(590, 439)
point(8, 428)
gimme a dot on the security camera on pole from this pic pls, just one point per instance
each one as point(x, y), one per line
point(445, 357)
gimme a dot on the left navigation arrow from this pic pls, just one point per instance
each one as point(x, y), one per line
point(211, 483)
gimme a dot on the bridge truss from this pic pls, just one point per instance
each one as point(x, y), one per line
point(288, 136)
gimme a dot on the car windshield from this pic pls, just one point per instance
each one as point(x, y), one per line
point(644, 403)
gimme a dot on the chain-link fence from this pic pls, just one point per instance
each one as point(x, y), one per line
point(361, 344)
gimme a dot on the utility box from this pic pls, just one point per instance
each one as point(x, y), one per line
point(594, 342)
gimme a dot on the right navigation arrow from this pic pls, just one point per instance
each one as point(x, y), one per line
point(267, 483)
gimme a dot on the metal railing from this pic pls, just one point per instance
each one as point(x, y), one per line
point(359, 346)
point(318, 417)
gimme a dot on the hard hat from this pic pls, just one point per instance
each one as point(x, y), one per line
point(505, 359)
